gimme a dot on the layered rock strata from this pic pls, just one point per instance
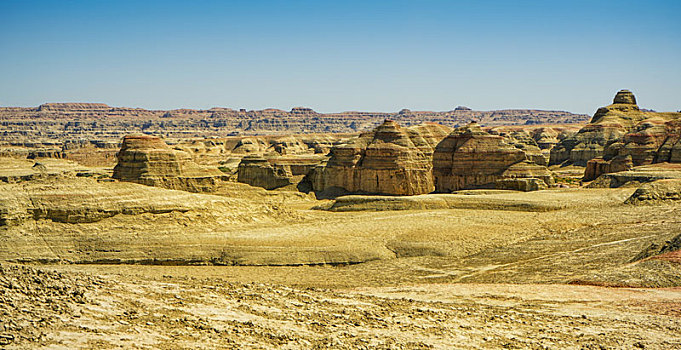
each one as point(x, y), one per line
point(621, 136)
point(390, 160)
point(275, 172)
point(89, 121)
point(150, 161)
point(472, 158)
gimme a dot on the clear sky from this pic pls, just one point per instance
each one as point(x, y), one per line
point(341, 55)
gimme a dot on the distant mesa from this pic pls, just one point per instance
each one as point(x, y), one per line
point(73, 106)
point(462, 108)
point(302, 110)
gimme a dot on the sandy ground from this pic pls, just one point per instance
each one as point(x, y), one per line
point(123, 311)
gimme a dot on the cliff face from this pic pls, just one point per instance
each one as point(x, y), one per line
point(390, 160)
point(472, 158)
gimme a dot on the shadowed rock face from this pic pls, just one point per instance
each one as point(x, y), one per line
point(257, 171)
point(148, 160)
point(472, 158)
point(390, 160)
point(624, 97)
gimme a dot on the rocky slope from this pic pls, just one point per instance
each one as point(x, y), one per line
point(44, 308)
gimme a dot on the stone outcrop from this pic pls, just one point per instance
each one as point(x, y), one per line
point(654, 138)
point(275, 172)
point(389, 160)
point(621, 136)
point(624, 97)
point(258, 171)
point(657, 191)
point(638, 175)
point(656, 249)
point(150, 161)
point(472, 158)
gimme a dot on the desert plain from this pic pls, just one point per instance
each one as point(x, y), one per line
point(408, 230)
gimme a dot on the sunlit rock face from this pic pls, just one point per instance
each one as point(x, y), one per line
point(389, 160)
point(620, 137)
point(472, 158)
point(148, 160)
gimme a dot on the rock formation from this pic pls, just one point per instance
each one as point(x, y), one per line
point(657, 191)
point(148, 160)
point(638, 175)
point(96, 121)
point(621, 136)
point(472, 158)
point(258, 171)
point(276, 171)
point(390, 160)
point(648, 137)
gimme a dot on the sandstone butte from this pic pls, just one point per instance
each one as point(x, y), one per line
point(472, 158)
point(621, 136)
point(150, 161)
point(389, 160)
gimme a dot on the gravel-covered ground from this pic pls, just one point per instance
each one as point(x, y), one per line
point(42, 308)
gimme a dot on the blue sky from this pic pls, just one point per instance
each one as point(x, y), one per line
point(341, 55)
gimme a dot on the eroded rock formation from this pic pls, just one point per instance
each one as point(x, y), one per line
point(389, 160)
point(621, 136)
point(275, 172)
point(148, 160)
point(469, 158)
point(96, 121)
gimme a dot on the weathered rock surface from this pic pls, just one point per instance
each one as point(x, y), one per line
point(148, 160)
point(668, 190)
point(472, 158)
point(99, 121)
point(638, 175)
point(621, 136)
point(390, 160)
point(276, 171)
point(258, 171)
point(19, 170)
point(656, 249)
